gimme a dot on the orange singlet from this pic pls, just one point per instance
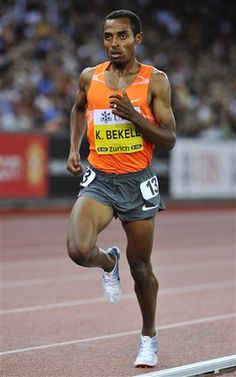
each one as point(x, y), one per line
point(116, 145)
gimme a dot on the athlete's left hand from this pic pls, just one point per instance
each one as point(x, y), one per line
point(122, 106)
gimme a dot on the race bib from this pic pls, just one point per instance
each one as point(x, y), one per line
point(113, 134)
point(88, 177)
point(149, 188)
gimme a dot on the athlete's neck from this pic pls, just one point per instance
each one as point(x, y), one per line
point(125, 69)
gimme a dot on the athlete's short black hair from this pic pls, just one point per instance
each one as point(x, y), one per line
point(135, 22)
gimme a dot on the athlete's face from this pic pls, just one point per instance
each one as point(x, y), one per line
point(119, 40)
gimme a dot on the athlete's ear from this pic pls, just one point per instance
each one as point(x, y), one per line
point(138, 38)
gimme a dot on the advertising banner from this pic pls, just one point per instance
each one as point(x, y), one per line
point(203, 169)
point(23, 165)
point(64, 184)
point(61, 182)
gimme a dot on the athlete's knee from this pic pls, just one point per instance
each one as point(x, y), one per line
point(142, 274)
point(139, 272)
point(78, 250)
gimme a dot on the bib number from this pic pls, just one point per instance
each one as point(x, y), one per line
point(88, 177)
point(150, 188)
point(113, 134)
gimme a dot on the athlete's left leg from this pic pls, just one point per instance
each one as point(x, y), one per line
point(139, 249)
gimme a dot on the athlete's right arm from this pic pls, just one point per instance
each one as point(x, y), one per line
point(78, 122)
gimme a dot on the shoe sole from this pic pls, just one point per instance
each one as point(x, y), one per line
point(144, 366)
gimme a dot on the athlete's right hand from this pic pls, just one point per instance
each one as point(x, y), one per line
point(74, 165)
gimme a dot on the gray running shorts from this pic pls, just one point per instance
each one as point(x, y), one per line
point(133, 196)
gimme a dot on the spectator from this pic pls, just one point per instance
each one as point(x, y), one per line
point(45, 45)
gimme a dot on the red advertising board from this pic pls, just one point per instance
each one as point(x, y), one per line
point(23, 165)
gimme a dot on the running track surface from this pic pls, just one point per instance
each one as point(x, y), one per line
point(55, 322)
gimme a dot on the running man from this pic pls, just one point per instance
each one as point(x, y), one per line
point(127, 108)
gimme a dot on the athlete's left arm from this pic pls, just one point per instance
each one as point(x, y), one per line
point(160, 95)
point(160, 102)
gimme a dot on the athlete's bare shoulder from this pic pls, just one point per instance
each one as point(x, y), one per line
point(86, 77)
point(159, 81)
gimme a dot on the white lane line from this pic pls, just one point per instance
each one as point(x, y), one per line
point(44, 262)
point(95, 300)
point(59, 260)
point(48, 280)
point(121, 334)
point(87, 276)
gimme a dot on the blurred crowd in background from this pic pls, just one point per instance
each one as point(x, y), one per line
point(44, 45)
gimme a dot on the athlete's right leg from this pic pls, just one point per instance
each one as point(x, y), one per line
point(87, 219)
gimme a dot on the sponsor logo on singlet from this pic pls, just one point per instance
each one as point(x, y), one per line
point(113, 134)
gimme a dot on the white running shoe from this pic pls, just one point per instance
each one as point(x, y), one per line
point(147, 354)
point(111, 280)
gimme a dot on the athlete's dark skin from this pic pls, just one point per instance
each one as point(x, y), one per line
point(89, 217)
